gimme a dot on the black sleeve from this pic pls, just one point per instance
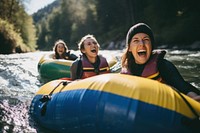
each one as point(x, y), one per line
point(73, 70)
point(172, 77)
point(73, 57)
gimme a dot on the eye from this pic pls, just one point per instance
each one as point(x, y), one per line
point(88, 43)
point(146, 40)
point(94, 43)
point(135, 41)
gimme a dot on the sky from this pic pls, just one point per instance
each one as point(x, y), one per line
point(34, 5)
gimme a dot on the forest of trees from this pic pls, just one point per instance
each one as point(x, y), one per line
point(17, 31)
point(174, 22)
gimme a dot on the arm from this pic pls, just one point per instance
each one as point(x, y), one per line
point(172, 77)
point(194, 96)
point(73, 70)
point(71, 56)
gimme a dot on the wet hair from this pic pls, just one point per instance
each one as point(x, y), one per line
point(81, 43)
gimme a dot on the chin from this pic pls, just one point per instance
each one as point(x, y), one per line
point(141, 62)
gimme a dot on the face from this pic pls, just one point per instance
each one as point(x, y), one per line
point(91, 48)
point(60, 49)
point(140, 47)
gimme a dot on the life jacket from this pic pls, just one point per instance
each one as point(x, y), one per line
point(89, 70)
point(151, 68)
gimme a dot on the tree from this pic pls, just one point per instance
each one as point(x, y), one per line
point(14, 13)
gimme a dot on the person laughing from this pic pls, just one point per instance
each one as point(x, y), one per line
point(90, 63)
point(140, 59)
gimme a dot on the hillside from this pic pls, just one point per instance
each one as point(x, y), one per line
point(174, 25)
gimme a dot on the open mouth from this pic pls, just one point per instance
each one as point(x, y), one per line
point(94, 51)
point(142, 52)
point(60, 52)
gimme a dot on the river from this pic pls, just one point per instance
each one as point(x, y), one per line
point(19, 80)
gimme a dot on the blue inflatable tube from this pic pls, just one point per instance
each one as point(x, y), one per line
point(113, 103)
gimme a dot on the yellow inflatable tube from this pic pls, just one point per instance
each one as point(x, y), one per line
point(114, 103)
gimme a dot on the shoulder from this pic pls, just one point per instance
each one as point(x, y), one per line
point(159, 53)
point(166, 66)
point(71, 55)
point(101, 57)
point(75, 63)
point(165, 63)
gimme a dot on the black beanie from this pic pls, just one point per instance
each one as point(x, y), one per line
point(139, 28)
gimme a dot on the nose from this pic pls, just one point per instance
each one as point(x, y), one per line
point(141, 42)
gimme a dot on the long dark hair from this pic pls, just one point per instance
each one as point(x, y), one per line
point(57, 56)
point(127, 59)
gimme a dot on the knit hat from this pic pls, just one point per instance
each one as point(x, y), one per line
point(139, 28)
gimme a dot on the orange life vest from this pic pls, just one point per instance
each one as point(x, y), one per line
point(89, 70)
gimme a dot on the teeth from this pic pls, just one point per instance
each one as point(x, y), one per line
point(142, 51)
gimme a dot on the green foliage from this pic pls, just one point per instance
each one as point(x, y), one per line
point(172, 21)
point(9, 39)
point(175, 23)
point(13, 12)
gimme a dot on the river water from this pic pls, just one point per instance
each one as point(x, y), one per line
point(19, 80)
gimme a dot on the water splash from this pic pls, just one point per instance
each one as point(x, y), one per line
point(14, 118)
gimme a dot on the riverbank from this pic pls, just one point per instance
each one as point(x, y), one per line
point(119, 45)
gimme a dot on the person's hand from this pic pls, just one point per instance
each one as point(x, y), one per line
point(197, 98)
point(194, 96)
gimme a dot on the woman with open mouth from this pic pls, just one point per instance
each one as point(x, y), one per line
point(62, 52)
point(90, 63)
point(140, 59)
